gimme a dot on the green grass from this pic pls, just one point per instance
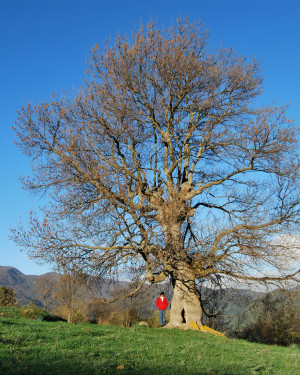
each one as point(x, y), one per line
point(39, 347)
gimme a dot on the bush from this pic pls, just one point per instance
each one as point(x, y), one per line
point(80, 317)
point(7, 296)
point(99, 312)
point(122, 318)
point(10, 312)
point(32, 311)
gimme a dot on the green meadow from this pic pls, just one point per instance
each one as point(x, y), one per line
point(40, 347)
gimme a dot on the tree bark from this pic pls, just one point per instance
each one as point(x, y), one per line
point(185, 306)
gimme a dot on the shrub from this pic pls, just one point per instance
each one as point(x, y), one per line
point(99, 312)
point(7, 296)
point(122, 318)
point(10, 312)
point(33, 311)
point(79, 316)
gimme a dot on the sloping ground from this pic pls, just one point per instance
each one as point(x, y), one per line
point(37, 347)
point(23, 285)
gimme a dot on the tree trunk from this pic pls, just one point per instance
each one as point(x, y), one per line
point(185, 306)
point(70, 312)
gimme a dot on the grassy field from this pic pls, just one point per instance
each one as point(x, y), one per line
point(39, 347)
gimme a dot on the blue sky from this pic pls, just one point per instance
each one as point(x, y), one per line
point(44, 45)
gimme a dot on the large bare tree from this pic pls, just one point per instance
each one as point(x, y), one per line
point(164, 161)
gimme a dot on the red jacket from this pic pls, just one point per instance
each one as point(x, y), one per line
point(162, 304)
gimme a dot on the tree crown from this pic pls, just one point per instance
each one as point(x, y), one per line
point(163, 158)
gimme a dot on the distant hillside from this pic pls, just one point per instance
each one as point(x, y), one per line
point(22, 284)
point(235, 300)
point(274, 300)
point(235, 305)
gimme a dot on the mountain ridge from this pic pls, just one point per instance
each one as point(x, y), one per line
point(22, 284)
point(24, 287)
point(233, 302)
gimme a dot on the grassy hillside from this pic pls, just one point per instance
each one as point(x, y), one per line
point(39, 347)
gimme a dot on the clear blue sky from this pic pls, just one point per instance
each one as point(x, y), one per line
point(45, 43)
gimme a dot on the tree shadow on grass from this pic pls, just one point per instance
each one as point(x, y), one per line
point(75, 367)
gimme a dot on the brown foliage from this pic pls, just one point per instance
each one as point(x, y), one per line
point(163, 161)
point(7, 296)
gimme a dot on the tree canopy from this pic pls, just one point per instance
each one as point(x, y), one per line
point(164, 161)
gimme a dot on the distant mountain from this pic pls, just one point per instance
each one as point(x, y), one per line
point(235, 300)
point(278, 299)
point(23, 285)
point(237, 306)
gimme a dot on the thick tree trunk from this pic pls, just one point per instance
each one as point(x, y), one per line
point(185, 306)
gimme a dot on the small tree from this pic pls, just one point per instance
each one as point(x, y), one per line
point(164, 160)
point(45, 287)
point(7, 296)
point(71, 290)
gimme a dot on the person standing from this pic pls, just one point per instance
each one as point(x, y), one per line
point(162, 303)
